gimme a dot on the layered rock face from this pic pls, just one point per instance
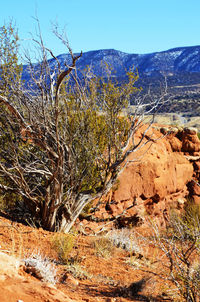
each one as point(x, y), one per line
point(158, 177)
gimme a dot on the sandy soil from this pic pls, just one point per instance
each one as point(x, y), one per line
point(105, 279)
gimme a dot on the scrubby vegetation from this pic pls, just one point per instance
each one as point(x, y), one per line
point(40, 267)
point(179, 244)
point(63, 244)
point(125, 239)
point(63, 142)
point(103, 247)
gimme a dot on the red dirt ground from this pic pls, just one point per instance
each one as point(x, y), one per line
point(111, 279)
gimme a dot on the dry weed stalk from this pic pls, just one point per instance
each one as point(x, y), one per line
point(178, 259)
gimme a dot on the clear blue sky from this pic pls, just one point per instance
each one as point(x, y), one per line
point(133, 26)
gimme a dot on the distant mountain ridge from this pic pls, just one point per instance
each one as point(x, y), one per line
point(180, 59)
point(181, 65)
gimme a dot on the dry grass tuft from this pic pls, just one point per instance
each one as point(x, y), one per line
point(63, 244)
point(103, 247)
point(40, 267)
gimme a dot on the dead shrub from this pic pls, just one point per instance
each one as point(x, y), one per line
point(103, 247)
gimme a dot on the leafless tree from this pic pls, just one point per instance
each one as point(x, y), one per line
point(63, 145)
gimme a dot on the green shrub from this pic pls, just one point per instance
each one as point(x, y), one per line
point(86, 210)
point(63, 244)
point(191, 218)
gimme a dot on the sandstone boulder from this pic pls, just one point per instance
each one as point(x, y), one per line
point(155, 179)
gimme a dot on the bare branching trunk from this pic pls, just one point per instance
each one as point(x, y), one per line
point(64, 140)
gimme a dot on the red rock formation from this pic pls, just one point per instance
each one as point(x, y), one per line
point(157, 178)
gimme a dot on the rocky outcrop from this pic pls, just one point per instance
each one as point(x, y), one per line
point(157, 177)
point(185, 140)
point(194, 184)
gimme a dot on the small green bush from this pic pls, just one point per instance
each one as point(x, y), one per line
point(63, 244)
point(191, 217)
point(86, 210)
